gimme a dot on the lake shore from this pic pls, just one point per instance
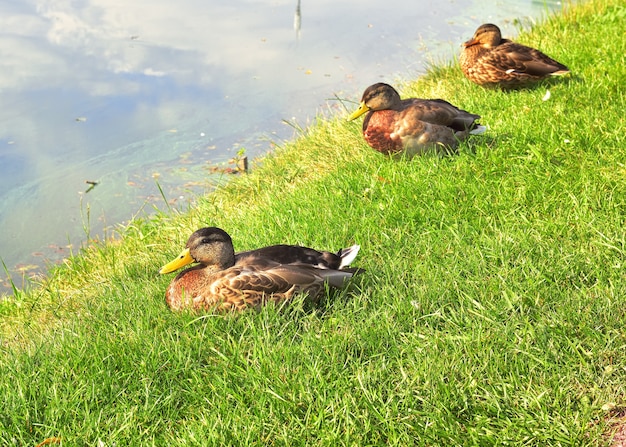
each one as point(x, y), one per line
point(200, 111)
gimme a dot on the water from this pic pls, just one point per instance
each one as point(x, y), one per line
point(131, 94)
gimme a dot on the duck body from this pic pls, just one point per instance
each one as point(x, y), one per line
point(225, 281)
point(489, 60)
point(412, 126)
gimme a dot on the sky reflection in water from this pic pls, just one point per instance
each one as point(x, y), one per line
point(131, 93)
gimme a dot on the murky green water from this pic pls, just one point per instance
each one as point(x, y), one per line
point(128, 94)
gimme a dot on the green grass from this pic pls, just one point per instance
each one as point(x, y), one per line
point(491, 312)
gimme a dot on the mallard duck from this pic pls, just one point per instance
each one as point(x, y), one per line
point(412, 126)
point(225, 281)
point(488, 59)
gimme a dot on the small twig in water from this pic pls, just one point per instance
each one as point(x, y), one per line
point(92, 183)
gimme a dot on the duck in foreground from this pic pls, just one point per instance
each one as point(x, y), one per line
point(225, 281)
point(488, 59)
point(412, 126)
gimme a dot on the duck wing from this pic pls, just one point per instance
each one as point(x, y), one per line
point(439, 112)
point(267, 279)
point(294, 254)
point(253, 285)
point(511, 57)
point(271, 278)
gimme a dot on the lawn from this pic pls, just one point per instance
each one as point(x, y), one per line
point(492, 309)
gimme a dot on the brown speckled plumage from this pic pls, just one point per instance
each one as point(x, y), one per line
point(412, 126)
point(489, 60)
point(225, 281)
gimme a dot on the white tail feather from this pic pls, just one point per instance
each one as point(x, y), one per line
point(348, 255)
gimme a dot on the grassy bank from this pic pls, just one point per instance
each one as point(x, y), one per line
point(492, 310)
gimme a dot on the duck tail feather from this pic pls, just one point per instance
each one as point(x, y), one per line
point(337, 278)
point(478, 130)
point(348, 255)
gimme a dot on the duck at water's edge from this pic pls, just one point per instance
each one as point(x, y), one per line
point(412, 126)
point(225, 281)
point(489, 60)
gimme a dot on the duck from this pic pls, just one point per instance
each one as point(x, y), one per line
point(223, 280)
point(412, 126)
point(489, 60)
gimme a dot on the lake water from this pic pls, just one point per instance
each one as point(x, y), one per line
point(132, 95)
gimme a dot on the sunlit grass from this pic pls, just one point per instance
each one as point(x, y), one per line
point(491, 311)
